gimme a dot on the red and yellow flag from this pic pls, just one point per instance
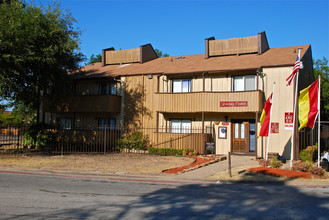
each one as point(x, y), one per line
point(265, 118)
point(308, 105)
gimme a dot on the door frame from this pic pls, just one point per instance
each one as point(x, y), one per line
point(248, 153)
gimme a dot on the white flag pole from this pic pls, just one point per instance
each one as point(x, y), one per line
point(319, 121)
point(294, 112)
point(269, 127)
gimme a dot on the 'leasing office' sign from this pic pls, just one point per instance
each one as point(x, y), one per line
point(234, 104)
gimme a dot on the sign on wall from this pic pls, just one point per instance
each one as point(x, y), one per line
point(275, 127)
point(234, 104)
point(288, 116)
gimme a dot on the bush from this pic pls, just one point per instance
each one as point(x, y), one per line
point(170, 151)
point(39, 136)
point(317, 171)
point(309, 154)
point(276, 164)
point(264, 163)
point(300, 166)
point(135, 140)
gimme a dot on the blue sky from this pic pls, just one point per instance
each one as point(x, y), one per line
point(179, 27)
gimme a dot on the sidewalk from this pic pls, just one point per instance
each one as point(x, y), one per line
point(216, 173)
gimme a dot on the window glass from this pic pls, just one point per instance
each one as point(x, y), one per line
point(113, 88)
point(236, 130)
point(64, 123)
point(180, 126)
point(177, 86)
point(242, 131)
point(238, 83)
point(175, 126)
point(250, 82)
point(103, 89)
point(186, 126)
point(181, 85)
point(186, 84)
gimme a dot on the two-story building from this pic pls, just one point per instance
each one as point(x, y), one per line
point(216, 96)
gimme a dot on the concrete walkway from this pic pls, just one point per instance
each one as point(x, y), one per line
point(238, 164)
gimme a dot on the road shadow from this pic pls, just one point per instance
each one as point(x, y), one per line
point(199, 201)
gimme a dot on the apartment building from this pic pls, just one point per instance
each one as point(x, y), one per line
point(216, 97)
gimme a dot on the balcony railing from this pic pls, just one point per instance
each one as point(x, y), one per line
point(87, 103)
point(246, 101)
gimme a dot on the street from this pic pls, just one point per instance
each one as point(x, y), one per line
point(34, 196)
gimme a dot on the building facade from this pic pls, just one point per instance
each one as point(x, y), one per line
point(215, 97)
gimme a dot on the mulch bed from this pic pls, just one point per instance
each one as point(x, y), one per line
point(281, 172)
point(199, 162)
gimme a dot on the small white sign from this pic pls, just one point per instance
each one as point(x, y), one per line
point(288, 127)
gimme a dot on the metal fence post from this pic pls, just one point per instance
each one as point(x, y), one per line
point(229, 164)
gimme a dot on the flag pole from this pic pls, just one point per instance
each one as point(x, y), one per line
point(319, 121)
point(269, 127)
point(294, 113)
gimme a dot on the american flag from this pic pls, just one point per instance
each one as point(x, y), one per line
point(294, 71)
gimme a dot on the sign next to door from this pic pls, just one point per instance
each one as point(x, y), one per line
point(234, 104)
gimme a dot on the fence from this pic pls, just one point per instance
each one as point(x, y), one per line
point(13, 140)
point(308, 136)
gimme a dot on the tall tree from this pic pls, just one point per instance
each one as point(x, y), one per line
point(94, 59)
point(320, 67)
point(159, 53)
point(39, 45)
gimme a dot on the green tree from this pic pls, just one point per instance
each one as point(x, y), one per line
point(94, 59)
point(38, 47)
point(159, 53)
point(320, 67)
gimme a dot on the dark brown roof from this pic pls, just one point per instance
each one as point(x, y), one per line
point(284, 56)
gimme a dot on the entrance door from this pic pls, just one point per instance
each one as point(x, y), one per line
point(240, 137)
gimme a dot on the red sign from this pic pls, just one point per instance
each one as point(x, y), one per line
point(234, 104)
point(288, 116)
point(274, 127)
point(225, 123)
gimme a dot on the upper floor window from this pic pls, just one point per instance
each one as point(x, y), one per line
point(244, 83)
point(181, 85)
point(107, 88)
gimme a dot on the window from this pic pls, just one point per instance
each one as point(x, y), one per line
point(180, 126)
point(102, 122)
point(181, 85)
point(244, 83)
point(107, 88)
point(64, 123)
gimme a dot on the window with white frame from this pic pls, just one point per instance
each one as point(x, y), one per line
point(244, 83)
point(180, 125)
point(106, 88)
point(181, 85)
point(64, 123)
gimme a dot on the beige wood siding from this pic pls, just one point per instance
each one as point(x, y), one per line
point(233, 46)
point(122, 56)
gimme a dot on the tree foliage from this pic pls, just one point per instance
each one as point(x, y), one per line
point(159, 53)
point(38, 47)
point(321, 68)
point(94, 59)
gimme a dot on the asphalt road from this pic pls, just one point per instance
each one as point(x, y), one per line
point(29, 196)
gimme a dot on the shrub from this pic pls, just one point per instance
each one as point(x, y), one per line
point(276, 164)
point(300, 166)
point(264, 163)
point(135, 140)
point(169, 151)
point(317, 171)
point(309, 154)
point(39, 136)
